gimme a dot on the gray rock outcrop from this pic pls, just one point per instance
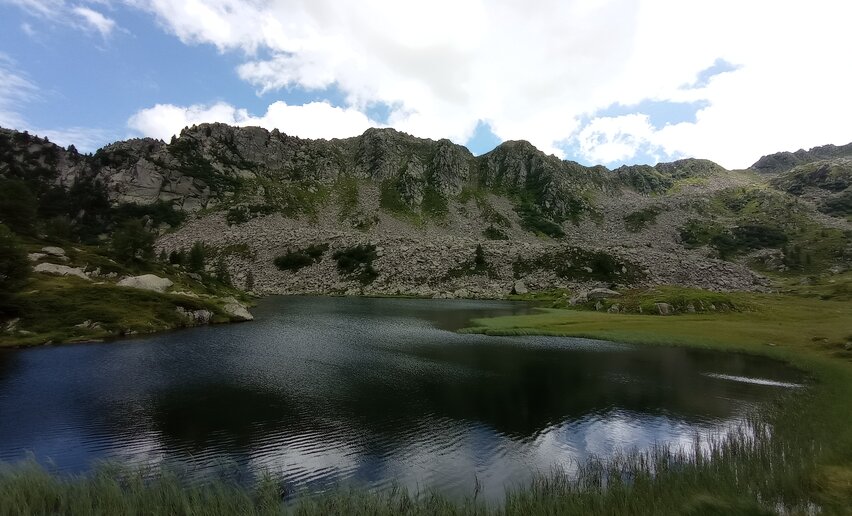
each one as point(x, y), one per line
point(61, 270)
point(147, 282)
point(236, 310)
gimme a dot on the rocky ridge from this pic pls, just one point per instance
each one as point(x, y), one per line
point(253, 195)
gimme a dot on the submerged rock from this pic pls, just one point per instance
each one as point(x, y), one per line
point(147, 282)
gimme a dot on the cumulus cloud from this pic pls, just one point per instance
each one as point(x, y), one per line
point(313, 120)
point(541, 73)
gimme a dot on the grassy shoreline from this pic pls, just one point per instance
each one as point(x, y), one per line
point(796, 457)
point(809, 333)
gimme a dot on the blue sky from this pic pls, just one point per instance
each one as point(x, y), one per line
point(654, 88)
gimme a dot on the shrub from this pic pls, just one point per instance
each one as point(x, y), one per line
point(177, 257)
point(639, 220)
point(159, 213)
point(583, 264)
point(295, 260)
point(14, 265)
point(357, 262)
point(195, 261)
point(492, 233)
point(434, 204)
point(132, 243)
point(533, 220)
point(14, 268)
point(479, 257)
point(18, 206)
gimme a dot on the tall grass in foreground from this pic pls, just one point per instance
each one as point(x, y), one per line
point(749, 471)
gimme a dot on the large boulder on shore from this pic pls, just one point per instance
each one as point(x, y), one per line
point(147, 282)
point(236, 310)
point(601, 293)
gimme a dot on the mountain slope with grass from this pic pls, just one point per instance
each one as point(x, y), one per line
point(219, 210)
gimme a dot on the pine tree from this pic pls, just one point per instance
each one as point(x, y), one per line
point(479, 257)
point(196, 258)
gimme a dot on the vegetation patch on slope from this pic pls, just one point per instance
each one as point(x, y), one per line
point(580, 264)
point(293, 260)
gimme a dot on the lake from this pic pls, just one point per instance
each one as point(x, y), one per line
point(327, 392)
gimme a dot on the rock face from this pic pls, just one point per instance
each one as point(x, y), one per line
point(146, 282)
point(236, 310)
point(783, 161)
point(61, 270)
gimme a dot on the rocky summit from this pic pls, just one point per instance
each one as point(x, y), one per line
point(386, 213)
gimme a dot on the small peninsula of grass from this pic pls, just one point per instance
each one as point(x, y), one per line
point(808, 457)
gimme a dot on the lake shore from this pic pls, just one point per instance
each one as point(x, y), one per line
point(808, 333)
point(799, 460)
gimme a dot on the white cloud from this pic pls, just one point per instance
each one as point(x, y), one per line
point(537, 72)
point(95, 20)
point(313, 120)
point(75, 14)
point(614, 139)
point(15, 89)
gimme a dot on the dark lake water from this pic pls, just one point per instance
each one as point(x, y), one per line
point(338, 391)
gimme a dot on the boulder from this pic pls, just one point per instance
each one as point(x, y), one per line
point(236, 310)
point(601, 293)
point(146, 282)
point(195, 317)
point(53, 251)
point(579, 299)
point(520, 288)
point(664, 308)
point(34, 257)
point(61, 270)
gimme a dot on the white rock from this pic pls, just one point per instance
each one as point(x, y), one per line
point(34, 257)
point(602, 293)
point(520, 288)
point(147, 282)
point(53, 251)
point(61, 270)
point(195, 317)
point(236, 309)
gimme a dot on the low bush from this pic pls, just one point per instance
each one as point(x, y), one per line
point(639, 220)
point(357, 263)
point(293, 260)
